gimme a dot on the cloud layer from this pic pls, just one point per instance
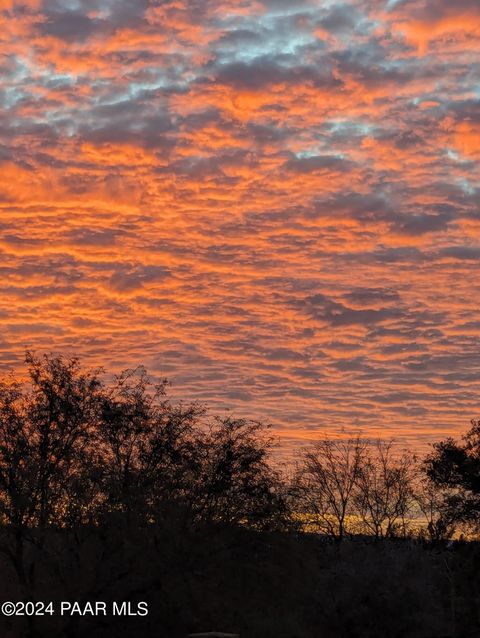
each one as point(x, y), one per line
point(275, 204)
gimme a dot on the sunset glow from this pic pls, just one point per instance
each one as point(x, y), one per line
point(274, 204)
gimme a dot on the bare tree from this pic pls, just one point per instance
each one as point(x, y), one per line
point(326, 484)
point(384, 490)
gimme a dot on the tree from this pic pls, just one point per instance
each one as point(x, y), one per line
point(157, 457)
point(384, 490)
point(77, 453)
point(432, 502)
point(45, 430)
point(326, 484)
point(145, 447)
point(45, 427)
point(455, 468)
point(236, 482)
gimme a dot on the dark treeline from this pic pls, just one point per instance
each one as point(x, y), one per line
point(110, 492)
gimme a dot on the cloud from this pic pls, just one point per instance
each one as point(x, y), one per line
point(323, 308)
point(262, 199)
point(263, 72)
point(419, 224)
point(131, 278)
point(317, 163)
point(69, 26)
point(470, 253)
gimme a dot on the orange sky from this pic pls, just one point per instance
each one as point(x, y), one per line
point(274, 204)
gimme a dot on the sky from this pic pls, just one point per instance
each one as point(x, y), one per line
point(274, 204)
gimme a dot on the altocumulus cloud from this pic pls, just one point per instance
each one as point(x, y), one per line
point(268, 201)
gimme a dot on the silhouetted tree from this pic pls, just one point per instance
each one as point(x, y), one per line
point(45, 430)
point(77, 453)
point(236, 482)
point(326, 484)
point(455, 468)
point(384, 493)
point(432, 502)
point(145, 448)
